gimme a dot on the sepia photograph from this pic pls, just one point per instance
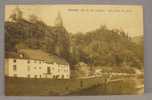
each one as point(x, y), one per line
point(73, 50)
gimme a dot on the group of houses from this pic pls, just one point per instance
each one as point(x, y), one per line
point(28, 63)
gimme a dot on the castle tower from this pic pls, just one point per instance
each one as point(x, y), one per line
point(58, 20)
point(17, 14)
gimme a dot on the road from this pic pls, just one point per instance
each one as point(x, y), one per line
point(114, 87)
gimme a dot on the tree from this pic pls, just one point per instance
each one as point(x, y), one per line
point(62, 42)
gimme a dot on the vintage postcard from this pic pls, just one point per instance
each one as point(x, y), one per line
point(66, 50)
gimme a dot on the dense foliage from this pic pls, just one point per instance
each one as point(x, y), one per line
point(107, 48)
point(36, 35)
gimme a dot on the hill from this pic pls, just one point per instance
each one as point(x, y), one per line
point(105, 47)
point(23, 34)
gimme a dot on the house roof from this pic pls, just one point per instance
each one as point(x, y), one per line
point(37, 54)
point(11, 55)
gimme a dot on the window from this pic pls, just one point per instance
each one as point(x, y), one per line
point(28, 75)
point(14, 67)
point(54, 76)
point(48, 70)
point(35, 76)
point(57, 76)
point(28, 61)
point(15, 75)
point(14, 60)
point(62, 76)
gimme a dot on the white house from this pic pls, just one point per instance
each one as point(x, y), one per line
point(28, 67)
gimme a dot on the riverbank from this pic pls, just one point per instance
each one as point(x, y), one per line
point(89, 86)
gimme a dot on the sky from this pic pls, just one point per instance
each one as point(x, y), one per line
point(84, 18)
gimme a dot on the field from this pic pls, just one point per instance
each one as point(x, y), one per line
point(47, 87)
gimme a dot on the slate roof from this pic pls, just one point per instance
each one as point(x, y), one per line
point(36, 54)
